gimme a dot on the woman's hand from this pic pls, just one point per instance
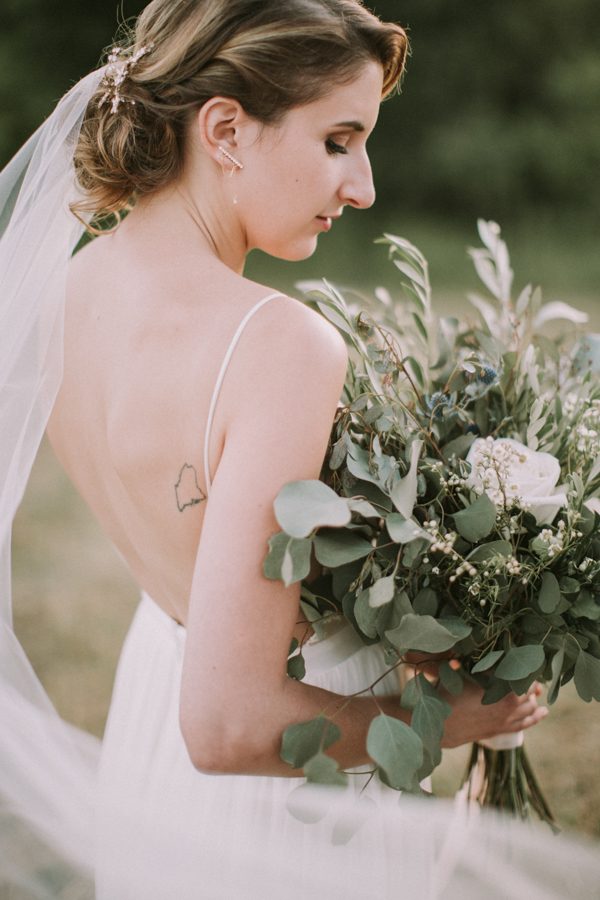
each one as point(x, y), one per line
point(471, 721)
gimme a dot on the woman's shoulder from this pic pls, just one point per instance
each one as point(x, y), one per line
point(293, 324)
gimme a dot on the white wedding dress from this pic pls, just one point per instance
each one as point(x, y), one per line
point(153, 805)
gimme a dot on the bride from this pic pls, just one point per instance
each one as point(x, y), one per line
point(180, 399)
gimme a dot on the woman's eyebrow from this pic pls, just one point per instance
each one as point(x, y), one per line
point(354, 125)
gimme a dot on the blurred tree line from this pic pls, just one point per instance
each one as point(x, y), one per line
point(498, 115)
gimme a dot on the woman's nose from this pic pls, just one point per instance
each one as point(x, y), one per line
point(359, 190)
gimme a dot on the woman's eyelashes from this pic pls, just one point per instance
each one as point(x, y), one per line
point(333, 147)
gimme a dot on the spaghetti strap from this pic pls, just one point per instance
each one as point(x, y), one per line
point(221, 376)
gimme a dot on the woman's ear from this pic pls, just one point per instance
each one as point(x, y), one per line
point(221, 123)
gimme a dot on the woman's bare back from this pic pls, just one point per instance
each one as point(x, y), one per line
point(144, 341)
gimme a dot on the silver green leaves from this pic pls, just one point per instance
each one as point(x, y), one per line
point(587, 676)
point(476, 521)
point(519, 662)
point(303, 506)
point(397, 750)
point(427, 634)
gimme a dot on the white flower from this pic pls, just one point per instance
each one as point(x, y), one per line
point(512, 474)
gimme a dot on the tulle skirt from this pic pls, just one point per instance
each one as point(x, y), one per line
point(167, 830)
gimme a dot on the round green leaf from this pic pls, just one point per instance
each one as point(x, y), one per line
point(322, 769)
point(397, 750)
point(549, 595)
point(382, 592)
point(487, 661)
point(302, 506)
point(403, 531)
point(520, 662)
point(296, 667)
point(587, 676)
point(304, 740)
point(428, 721)
point(288, 559)
point(427, 634)
point(451, 679)
point(339, 547)
point(491, 550)
point(476, 521)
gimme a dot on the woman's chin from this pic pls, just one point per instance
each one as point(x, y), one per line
point(294, 251)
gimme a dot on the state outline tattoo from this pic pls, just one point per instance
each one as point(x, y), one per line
point(188, 492)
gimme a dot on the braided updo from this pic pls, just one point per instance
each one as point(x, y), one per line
point(268, 55)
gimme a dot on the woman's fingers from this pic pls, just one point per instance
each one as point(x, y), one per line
point(540, 713)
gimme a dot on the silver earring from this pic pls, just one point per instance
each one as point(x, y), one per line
point(237, 164)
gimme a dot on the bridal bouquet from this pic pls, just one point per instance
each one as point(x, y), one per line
point(457, 513)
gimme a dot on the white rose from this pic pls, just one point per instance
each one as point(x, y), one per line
point(509, 471)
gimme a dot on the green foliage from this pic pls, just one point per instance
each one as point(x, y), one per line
point(476, 521)
point(519, 662)
point(462, 494)
point(397, 750)
point(304, 506)
point(587, 676)
point(427, 634)
point(306, 740)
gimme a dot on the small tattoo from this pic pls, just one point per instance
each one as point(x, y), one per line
point(187, 489)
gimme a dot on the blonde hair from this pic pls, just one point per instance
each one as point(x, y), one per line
point(269, 55)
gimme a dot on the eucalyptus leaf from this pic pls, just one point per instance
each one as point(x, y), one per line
point(403, 531)
point(365, 615)
point(586, 606)
point(487, 661)
point(519, 662)
point(427, 720)
point(296, 667)
point(549, 595)
point(397, 750)
point(490, 550)
point(382, 592)
point(339, 547)
point(358, 462)
point(288, 559)
point(322, 769)
point(476, 521)
point(303, 506)
point(404, 492)
point(304, 740)
point(587, 676)
point(426, 602)
point(427, 634)
point(450, 678)
point(363, 508)
point(458, 447)
point(557, 669)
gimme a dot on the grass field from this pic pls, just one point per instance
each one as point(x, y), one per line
point(74, 598)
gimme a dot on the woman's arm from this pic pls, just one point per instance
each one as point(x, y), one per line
point(236, 699)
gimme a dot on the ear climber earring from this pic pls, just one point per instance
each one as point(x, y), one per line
point(237, 164)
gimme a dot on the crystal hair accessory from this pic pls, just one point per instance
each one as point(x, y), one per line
point(237, 164)
point(117, 70)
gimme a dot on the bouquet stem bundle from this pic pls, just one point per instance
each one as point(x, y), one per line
point(504, 780)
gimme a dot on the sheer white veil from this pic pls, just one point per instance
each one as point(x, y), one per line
point(45, 765)
point(48, 768)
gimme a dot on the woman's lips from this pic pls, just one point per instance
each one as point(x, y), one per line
point(326, 222)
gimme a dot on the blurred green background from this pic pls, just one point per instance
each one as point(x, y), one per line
point(498, 118)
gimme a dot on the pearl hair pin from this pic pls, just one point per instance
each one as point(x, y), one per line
point(232, 159)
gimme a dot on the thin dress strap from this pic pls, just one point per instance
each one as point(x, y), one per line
point(221, 376)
